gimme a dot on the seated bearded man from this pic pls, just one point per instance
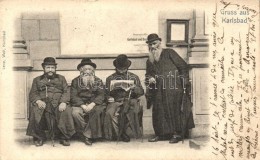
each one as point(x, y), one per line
point(123, 108)
point(87, 98)
point(49, 97)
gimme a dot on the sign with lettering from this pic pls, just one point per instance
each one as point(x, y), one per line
point(106, 30)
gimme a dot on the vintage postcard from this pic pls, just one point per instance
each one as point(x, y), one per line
point(192, 68)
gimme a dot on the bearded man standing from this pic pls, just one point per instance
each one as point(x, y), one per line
point(167, 76)
point(49, 97)
point(87, 98)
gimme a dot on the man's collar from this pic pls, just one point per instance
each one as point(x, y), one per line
point(44, 76)
point(121, 74)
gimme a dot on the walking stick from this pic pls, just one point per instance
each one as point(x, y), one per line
point(50, 119)
point(122, 119)
point(182, 109)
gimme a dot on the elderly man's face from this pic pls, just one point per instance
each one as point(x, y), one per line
point(87, 70)
point(49, 70)
point(121, 70)
point(87, 75)
point(154, 45)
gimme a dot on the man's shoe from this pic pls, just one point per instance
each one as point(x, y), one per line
point(125, 138)
point(38, 143)
point(175, 139)
point(65, 142)
point(88, 142)
point(154, 139)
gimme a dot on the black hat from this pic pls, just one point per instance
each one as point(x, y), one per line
point(49, 61)
point(152, 37)
point(122, 62)
point(86, 61)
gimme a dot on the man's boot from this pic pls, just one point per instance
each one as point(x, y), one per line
point(65, 142)
point(125, 137)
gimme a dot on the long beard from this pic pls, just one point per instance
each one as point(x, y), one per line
point(88, 80)
point(154, 54)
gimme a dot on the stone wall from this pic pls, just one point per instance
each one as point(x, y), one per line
point(41, 34)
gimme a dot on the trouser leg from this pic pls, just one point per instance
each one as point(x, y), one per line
point(78, 117)
point(134, 117)
point(51, 122)
point(40, 129)
point(36, 128)
point(65, 123)
point(115, 124)
point(87, 130)
point(95, 121)
point(111, 121)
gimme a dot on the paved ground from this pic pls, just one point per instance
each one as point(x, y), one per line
point(136, 149)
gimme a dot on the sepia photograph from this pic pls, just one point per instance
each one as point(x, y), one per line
point(95, 79)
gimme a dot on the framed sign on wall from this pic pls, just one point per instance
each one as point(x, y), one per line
point(177, 32)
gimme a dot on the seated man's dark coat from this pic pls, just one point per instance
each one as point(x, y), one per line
point(134, 112)
point(81, 95)
point(52, 92)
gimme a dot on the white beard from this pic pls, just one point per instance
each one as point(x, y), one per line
point(154, 55)
point(88, 81)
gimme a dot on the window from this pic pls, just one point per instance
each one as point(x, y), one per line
point(177, 32)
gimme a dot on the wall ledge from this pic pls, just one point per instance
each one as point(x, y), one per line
point(22, 64)
point(102, 56)
point(200, 62)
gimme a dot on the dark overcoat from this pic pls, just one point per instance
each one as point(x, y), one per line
point(80, 95)
point(134, 109)
point(52, 92)
point(167, 94)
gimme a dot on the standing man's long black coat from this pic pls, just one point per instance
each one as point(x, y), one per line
point(168, 94)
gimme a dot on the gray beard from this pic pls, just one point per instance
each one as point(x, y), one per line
point(154, 55)
point(88, 81)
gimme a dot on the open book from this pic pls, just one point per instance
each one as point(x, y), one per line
point(121, 84)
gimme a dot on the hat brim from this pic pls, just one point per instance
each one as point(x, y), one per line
point(91, 64)
point(127, 65)
point(43, 64)
point(151, 40)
